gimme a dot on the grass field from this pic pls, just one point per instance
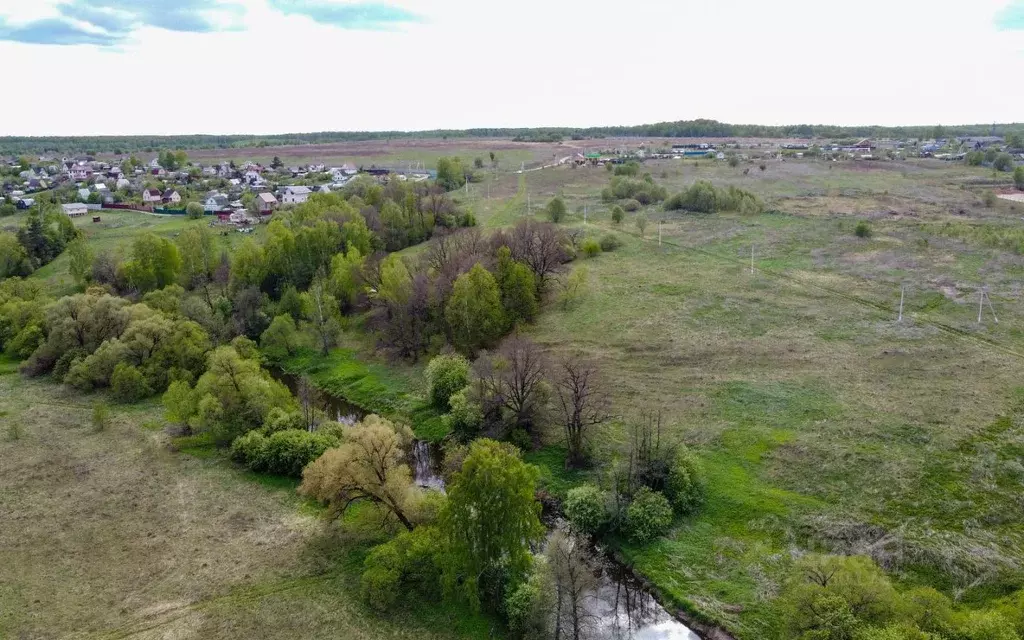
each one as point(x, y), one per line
point(822, 422)
point(113, 535)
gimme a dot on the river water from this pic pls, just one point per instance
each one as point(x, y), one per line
point(619, 608)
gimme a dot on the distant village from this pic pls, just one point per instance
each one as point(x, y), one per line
point(244, 194)
point(240, 194)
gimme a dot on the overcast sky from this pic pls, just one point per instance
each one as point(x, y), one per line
point(77, 67)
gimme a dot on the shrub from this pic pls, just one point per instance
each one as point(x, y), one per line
point(985, 625)
point(525, 607)
point(989, 199)
point(464, 417)
point(648, 516)
point(643, 191)
point(618, 214)
point(734, 161)
point(630, 169)
point(591, 248)
point(630, 205)
point(862, 230)
point(556, 210)
point(585, 507)
point(281, 419)
point(284, 453)
point(762, 166)
point(128, 383)
point(610, 242)
point(521, 439)
point(194, 210)
point(685, 487)
point(100, 416)
point(704, 197)
point(446, 375)
point(1003, 162)
point(406, 561)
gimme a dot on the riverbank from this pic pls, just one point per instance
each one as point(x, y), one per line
point(372, 387)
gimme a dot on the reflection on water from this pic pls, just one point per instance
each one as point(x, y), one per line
point(334, 407)
point(622, 609)
point(618, 607)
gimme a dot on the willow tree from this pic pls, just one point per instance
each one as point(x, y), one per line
point(490, 520)
point(368, 467)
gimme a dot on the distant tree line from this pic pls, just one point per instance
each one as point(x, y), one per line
point(16, 145)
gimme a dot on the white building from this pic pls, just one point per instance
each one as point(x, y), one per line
point(295, 195)
point(75, 209)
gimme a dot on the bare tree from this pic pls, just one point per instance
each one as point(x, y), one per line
point(541, 245)
point(311, 401)
point(573, 569)
point(582, 403)
point(513, 380)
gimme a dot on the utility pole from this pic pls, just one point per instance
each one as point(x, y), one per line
point(751, 259)
point(981, 302)
point(659, 233)
point(900, 319)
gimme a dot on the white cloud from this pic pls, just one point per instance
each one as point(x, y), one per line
point(533, 63)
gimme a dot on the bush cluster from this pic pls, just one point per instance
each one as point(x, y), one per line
point(283, 453)
point(704, 197)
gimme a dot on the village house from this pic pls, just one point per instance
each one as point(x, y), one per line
point(80, 172)
point(295, 195)
point(26, 203)
point(265, 202)
point(122, 183)
point(170, 196)
point(151, 195)
point(75, 209)
point(215, 202)
point(83, 194)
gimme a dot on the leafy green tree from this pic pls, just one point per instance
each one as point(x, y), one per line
point(450, 173)
point(14, 260)
point(194, 211)
point(617, 214)
point(855, 581)
point(154, 263)
point(490, 521)
point(197, 247)
point(446, 374)
point(80, 261)
point(281, 340)
point(474, 312)
point(518, 288)
point(128, 383)
point(235, 395)
point(556, 210)
point(321, 308)
point(346, 277)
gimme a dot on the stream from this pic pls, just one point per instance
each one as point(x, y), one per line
point(619, 608)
